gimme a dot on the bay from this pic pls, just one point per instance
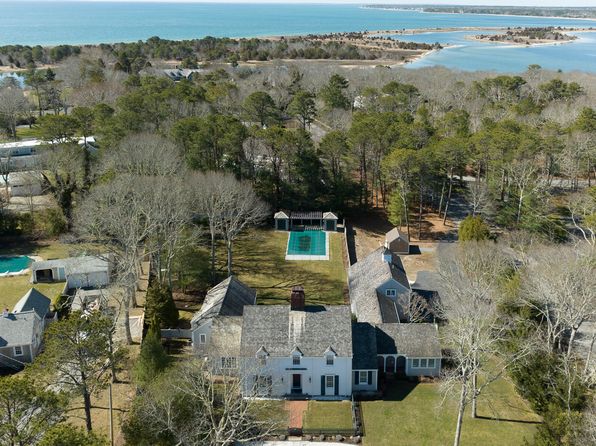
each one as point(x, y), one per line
point(55, 22)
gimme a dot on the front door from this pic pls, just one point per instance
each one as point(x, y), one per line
point(296, 383)
point(329, 385)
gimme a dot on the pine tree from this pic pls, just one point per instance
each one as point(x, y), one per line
point(152, 359)
point(473, 228)
point(160, 305)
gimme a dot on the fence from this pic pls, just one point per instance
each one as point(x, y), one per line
point(175, 333)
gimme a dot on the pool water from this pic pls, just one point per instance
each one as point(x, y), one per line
point(311, 243)
point(14, 264)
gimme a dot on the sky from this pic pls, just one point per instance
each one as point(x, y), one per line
point(406, 2)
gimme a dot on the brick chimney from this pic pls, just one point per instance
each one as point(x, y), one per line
point(297, 298)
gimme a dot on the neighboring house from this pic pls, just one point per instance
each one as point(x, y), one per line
point(397, 242)
point(379, 288)
point(77, 272)
point(24, 154)
point(21, 331)
point(24, 184)
point(88, 300)
point(227, 298)
point(177, 74)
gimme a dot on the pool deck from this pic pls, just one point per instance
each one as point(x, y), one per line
point(308, 256)
point(23, 271)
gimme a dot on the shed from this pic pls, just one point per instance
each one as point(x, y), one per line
point(78, 272)
point(305, 220)
point(397, 242)
point(282, 221)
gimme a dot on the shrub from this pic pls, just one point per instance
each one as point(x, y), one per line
point(50, 222)
point(473, 228)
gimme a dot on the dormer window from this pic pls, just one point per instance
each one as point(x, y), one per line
point(295, 359)
point(330, 356)
point(391, 292)
point(262, 356)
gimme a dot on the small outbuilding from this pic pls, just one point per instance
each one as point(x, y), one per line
point(77, 272)
point(309, 220)
point(397, 242)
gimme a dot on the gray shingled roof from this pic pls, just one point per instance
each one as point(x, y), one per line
point(280, 330)
point(365, 276)
point(394, 234)
point(33, 300)
point(364, 346)
point(225, 336)
point(227, 298)
point(412, 340)
point(74, 265)
point(17, 329)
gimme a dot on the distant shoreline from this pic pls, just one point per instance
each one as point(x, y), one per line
point(386, 8)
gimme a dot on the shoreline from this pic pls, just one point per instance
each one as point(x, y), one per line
point(593, 19)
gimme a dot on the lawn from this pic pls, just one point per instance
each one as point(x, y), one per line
point(322, 415)
point(413, 414)
point(13, 288)
point(259, 261)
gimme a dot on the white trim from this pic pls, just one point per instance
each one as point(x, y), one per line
point(20, 347)
point(427, 365)
point(360, 374)
point(308, 257)
point(391, 292)
point(202, 338)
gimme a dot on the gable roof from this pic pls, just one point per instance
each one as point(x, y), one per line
point(329, 216)
point(74, 265)
point(368, 274)
point(33, 300)
point(225, 336)
point(280, 330)
point(17, 328)
point(364, 346)
point(394, 234)
point(411, 340)
point(227, 298)
point(281, 214)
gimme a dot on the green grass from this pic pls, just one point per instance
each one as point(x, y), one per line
point(26, 132)
point(259, 261)
point(328, 415)
point(413, 413)
point(13, 288)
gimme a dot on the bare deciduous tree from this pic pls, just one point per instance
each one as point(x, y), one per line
point(12, 105)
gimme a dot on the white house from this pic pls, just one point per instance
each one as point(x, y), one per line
point(24, 184)
point(77, 272)
point(297, 350)
point(25, 154)
point(228, 298)
point(379, 288)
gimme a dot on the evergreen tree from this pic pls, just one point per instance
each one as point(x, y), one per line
point(152, 359)
point(68, 435)
point(473, 228)
point(160, 305)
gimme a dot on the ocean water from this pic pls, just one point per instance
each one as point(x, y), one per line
point(55, 22)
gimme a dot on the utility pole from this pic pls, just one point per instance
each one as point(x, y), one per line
point(111, 416)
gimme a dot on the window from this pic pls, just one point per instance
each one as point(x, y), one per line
point(362, 377)
point(262, 360)
point(423, 363)
point(391, 292)
point(296, 360)
point(415, 363)
point(431, 363)
point(329, 359)
point(202, 338)
point(18, 350)
point(264, 382)
point(228, 362)
point(330, 381)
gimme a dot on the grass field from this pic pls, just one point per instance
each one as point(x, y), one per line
point(13, 288)
point(413, 413)
point(259, 261)
point(328, 415)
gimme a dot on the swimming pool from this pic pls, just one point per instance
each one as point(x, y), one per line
point(308, 245)
point(14, 264)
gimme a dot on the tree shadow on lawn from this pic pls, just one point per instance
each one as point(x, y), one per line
point(398, 390)
point(482, 417)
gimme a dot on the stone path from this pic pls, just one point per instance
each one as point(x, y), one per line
point(296, 410)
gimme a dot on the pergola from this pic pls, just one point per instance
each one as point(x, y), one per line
point(305, 220)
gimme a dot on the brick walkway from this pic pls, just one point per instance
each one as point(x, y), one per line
point(296, 410)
